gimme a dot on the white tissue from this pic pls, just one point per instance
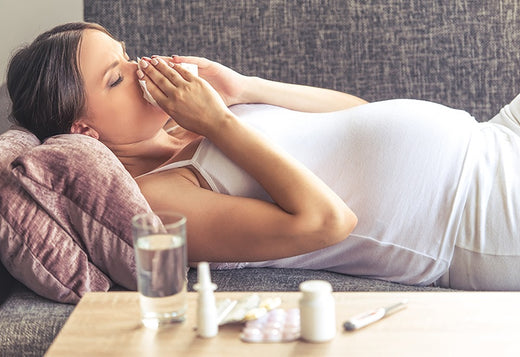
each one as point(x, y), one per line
point(193, 68)
point(190, 67)
point(142, 83)
point(146, 93)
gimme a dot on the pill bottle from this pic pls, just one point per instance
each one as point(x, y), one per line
point(317, 311)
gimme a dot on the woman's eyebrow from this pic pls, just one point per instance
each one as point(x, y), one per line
point(116, 62)
point(109, 67)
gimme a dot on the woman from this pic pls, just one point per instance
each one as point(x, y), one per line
point(277, 184)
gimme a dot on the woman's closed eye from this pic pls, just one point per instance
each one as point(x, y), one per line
point(120, 77)
point(117, 81)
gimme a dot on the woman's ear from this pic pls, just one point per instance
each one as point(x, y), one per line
point(79, 127)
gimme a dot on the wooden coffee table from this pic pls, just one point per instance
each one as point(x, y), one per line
point(433, 324)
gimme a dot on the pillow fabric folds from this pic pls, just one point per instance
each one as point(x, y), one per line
point(65, 214)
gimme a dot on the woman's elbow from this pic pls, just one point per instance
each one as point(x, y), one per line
point(331, 228)
point(340, 225)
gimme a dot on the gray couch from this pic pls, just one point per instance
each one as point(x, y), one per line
point(460, 53)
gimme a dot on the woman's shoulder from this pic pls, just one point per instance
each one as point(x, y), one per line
point(166, 185)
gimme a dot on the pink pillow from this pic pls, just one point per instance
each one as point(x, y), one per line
point(67, 225)
point(29, 237)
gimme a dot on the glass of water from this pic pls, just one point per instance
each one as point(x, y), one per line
point(161, 262)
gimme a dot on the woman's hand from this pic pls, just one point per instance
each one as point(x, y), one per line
point(235, 88)
point(189, 100)
point(228, 83)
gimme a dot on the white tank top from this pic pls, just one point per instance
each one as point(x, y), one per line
point(403, 166)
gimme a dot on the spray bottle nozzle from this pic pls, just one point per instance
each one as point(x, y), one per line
point(204, 278)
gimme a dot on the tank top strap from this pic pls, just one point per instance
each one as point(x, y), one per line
point(177, 164)
point(194, 162)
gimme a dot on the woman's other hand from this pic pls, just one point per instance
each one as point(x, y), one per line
point(228, 83)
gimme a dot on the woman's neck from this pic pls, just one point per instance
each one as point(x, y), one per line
point(143, 157)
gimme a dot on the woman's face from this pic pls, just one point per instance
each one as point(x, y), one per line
point(116, 111)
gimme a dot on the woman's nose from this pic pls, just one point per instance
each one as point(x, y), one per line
point(132, 65)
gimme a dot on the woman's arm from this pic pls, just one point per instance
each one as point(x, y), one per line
point(229, 228)
point(236, 88)
point(297, 97)
point(307, 215)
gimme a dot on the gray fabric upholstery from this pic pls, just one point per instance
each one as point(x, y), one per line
point(460, 53)
point(29, 323)
point(272, 279)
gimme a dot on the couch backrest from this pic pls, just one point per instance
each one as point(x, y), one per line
point(460, 53)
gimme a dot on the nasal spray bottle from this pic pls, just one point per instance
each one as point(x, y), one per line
point(207, 323)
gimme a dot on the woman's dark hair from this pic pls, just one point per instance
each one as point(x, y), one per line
point(44, 81)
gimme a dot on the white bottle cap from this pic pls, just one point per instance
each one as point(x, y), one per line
point(315, 287)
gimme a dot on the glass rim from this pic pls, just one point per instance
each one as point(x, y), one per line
point(139, 222)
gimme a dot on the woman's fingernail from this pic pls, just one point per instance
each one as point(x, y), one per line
point(140, 74)
point(143, 63)
point(171, 64)
point(154, 61)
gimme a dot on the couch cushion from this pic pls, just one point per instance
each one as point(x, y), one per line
point(12, 144)
point(63, 232)
point(90, 194)
point(33, 246)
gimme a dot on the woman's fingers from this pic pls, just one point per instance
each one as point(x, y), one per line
point(201, 62)
point(159, 86)
point(169, 84)
point(160, 78)
point(159, 70)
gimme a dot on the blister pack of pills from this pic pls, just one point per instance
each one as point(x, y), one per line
point(276, 326)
